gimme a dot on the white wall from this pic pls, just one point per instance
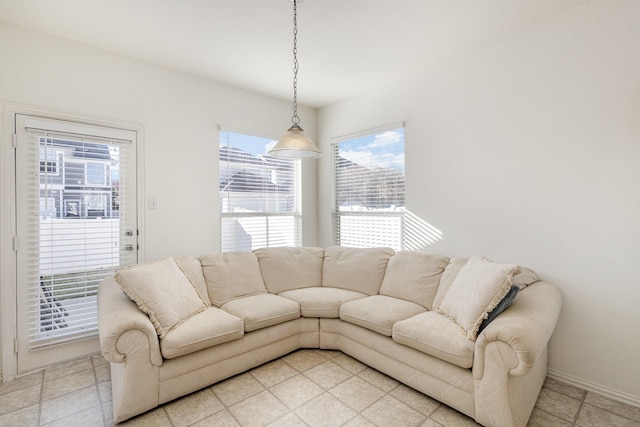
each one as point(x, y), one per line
point(528, 151)
point(180, 115)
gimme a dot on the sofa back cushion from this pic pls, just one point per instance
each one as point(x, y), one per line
point(285, 269)
point(446, 279)
point(192, 268)
point(162, 291)
point(355, 269)
point(414, 276)
point(231, 275)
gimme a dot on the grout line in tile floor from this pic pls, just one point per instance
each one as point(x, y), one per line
point(575, 418)
point(300, 388)
point(41, 396)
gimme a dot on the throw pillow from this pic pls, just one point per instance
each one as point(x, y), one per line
point(502, 306)
point(477, 289)
point(162, 291)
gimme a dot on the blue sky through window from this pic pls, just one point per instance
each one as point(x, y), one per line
point(385, 149)
point(253, 145)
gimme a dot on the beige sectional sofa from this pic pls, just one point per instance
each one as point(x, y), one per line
point(188, 322)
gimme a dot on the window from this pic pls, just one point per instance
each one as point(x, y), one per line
point(260, 202)
point(369, 188)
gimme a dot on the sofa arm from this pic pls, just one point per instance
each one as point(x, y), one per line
point(525, 327)
point(117, 314)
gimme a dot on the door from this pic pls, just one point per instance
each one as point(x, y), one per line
point(76, 223)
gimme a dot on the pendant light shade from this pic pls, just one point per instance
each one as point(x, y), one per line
point(295, 144)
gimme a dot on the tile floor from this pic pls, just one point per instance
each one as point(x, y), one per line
point(304, 388)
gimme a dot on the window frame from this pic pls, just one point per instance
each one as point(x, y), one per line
point(376, 217)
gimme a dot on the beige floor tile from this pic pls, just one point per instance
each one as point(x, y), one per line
point(591, 416)
point(99, 360)
point(69, 404)
point(451, 418)
point(378, 379)
point(558, 404)
point(88, 417)
point(296, 390)
point(25, 417)
point(107, 411)
point(431, 423)
point(154, 418)
point(103, 373)
point(302, 360)
point(68, 368)
point(68, 384)
point(19, 399)
point(259, 410)
point(193, 407)
point(389, 411)
point(359, 421)
point(273, 373)
point(327, 375)
point(219, 419)
point(418, 401)
point(349, 363)
point(325, 411)
point(289, 420)
point(20, 383)
point(328, 354)
point(569, 390)
point(237, 388)
point(104, 389)
point(619, 408)
point(357, 393)
point(542, 419)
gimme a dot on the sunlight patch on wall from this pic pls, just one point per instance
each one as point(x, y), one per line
point(418, 233)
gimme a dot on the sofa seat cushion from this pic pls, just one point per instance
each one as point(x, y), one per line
point(232, 275)
point(355, 269)
point(206, 329)
point(321, 301)
point(261, 311)
point(414, 276)
point(436, 335)
point(284, 269)
point(378, 312)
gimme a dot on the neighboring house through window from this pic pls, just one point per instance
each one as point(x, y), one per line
point(260, 201)
point(369, 188)
point(78, 179)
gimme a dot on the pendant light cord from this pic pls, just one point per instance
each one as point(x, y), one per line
point(295, 119)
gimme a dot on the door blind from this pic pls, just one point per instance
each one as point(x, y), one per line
point(369, 189)
point(77, 202)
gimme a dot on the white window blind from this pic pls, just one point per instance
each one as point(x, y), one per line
point(78, 195)
point(369, 188)
point(260, 199)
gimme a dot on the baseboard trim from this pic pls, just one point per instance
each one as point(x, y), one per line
point(620, 396)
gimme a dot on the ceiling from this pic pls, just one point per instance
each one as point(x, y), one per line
point(344, 46)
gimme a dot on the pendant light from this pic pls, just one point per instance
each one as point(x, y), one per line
point(295, 144)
